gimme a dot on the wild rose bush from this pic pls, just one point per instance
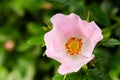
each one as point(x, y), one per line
point(59, 40)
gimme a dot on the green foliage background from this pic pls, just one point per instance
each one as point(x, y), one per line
point(24, 22)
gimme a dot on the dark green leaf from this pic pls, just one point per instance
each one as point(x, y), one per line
point(111, 42)
point(99, 16)
point(102, 57)
point(95, 74)
point(115, 65)
point(80, 75)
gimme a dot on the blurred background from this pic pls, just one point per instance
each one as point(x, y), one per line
point(23, 24)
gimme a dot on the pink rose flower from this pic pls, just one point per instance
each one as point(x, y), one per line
point(71, 41)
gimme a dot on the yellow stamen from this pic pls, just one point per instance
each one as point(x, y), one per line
point(73, 45)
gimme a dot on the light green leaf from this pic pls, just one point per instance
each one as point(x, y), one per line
point(3, 73)
point(58, 77)
point(39, 32)
point(36, 41)
point(23, 47)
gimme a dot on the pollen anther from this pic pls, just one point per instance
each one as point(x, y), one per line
point(73, 46)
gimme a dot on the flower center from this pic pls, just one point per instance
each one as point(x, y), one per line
point(73, 45)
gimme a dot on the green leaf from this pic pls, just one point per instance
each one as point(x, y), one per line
point(99, 16)
point(102, 57)
point(3, 73)
point(23, 47)
point(36, 41)
point(108, 8)
point(35, 28)
point(111, 42)
point(58, 77)
point(2, 57)
point(17, 6)
point(95, 74)
point(115, 65)
point(39, 31)
point(80, 75)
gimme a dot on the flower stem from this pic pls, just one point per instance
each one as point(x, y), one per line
point(64, 76)
point(88, 16)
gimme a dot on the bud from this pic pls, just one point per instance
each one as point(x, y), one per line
point(9, 45)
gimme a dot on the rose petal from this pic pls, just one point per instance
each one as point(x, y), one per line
point(55, 48)
point(89, 45)
point(67, 24)
point(74, 65)
point(97, 36)
point(63, 69)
